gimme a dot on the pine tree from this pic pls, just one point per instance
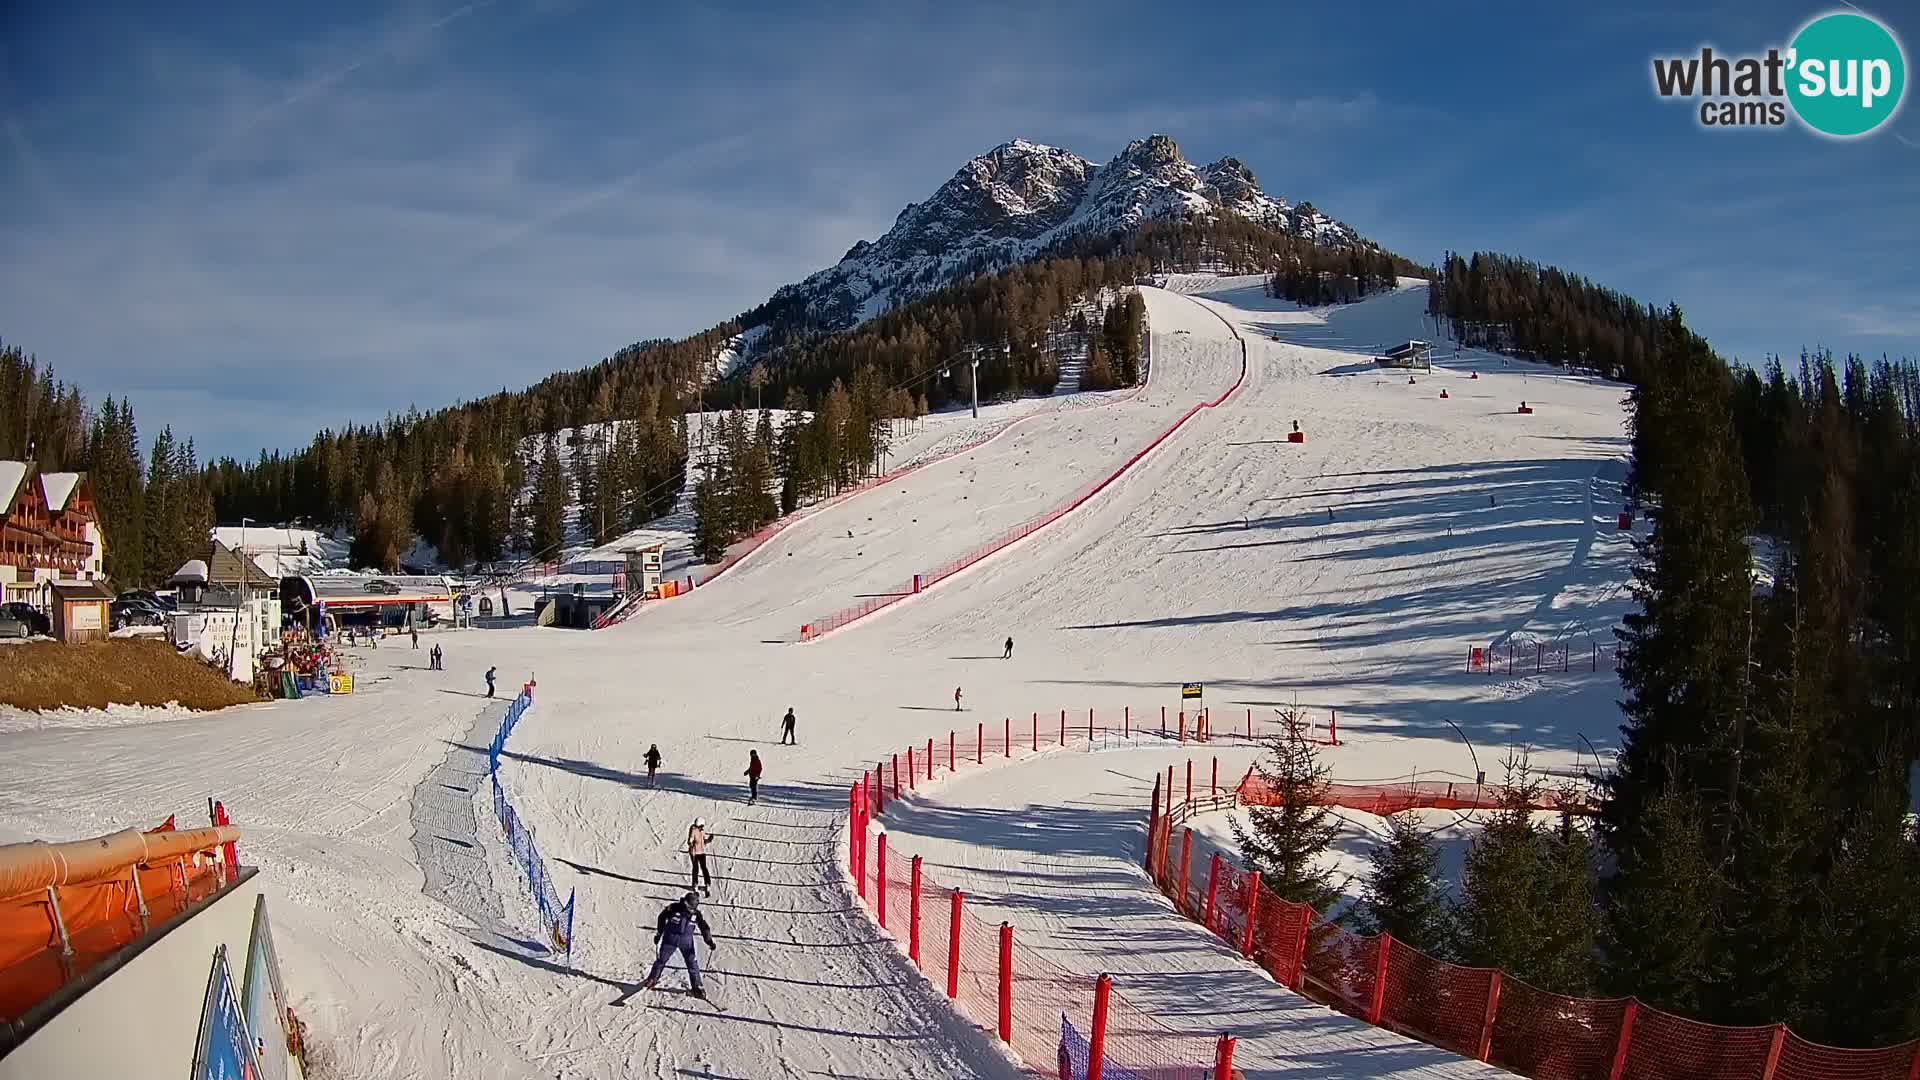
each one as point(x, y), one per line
point(1867, 934)
point(1403, 895)
point(1683, 655)
point(1569, 947)
point(547, 525)
point(1500, 920)
point(1661, 932)
point(1284, 841)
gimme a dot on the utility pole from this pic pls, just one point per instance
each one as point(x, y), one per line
point(976, 387)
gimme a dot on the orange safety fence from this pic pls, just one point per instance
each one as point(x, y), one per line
point(1482, 1013)
point(1386, 799)
point(1043, 1012)
point(68, 912)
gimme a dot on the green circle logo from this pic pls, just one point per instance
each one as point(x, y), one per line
point(1846, 74)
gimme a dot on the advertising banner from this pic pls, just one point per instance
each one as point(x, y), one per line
point(264, 1000)
point(224, 1052)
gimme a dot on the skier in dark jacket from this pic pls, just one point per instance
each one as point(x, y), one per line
point(753, 777)
point(675, 930)
point(490, 672)
point(1008, 655)
point(653, 764)
point(786, 729)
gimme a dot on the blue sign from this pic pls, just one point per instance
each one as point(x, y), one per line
point(225, 1052)
point(263, 998)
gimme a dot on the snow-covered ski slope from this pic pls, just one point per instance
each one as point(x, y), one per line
point(1211, 560)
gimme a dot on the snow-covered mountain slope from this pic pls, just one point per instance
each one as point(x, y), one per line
point(1021, 199)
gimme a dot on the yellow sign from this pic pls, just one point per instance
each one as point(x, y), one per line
point(340, 682)
point(1189, 690)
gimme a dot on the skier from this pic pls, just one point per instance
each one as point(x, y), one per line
point(675, 930)
point(699, 877)
point(787, 737)
point(1008, 654)
point(415, 631)
point(490, 672)
point(653, 764)
point(956, 699)
point(753, 777)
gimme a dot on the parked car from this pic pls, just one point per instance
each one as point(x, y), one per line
point(133, 613)
point(36, 620)
point(11, 627)
point(152, 599)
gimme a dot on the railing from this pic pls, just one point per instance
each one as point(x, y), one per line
point(1481, 1013)
point(1516, 658)
point(1026, 1000)
point(556, 917)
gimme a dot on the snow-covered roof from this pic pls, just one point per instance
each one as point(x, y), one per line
point(59, 487)
point(11, 474)
point(193, 570)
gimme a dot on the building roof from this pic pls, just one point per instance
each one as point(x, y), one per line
point(1406, 347)
point(372, 588)
point(223, 566)
point(12, 474)
point(59, 487)
point(191, 572)
point(80, 590)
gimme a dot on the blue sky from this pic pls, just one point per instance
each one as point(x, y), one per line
point(258, 220)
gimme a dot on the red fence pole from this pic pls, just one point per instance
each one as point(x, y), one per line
point(1333, 726)
point(1063, 727)
point(1183, 727)
point(1126, 721)
point(913, 916)
point(1036, 733)
point(953, 945)
point(980, 743)
point(1153, 825)
point(929, 759)
point(1097, 1039)
point(1213, 787)
point(1379, 1002)
point(1914, 1073)
point(1486, 1025)
point(1163, 719)
point(950, 758)
point(1773, 1052)
point(880, 880)
point(1213, 889)
point(1626, 1039)
point(1089, 723)
point(1006, 735)
point(896, 776)
point(1186, 865)
point(1189, 801)
point(1299, 969)
point(1249, 725)
point(1253, 901)
point(1006, 983)
point(1223, 1059)
point(909, 768)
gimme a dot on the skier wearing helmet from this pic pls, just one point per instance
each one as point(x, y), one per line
point(675, 930)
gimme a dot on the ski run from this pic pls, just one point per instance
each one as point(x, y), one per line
point(1348, 572)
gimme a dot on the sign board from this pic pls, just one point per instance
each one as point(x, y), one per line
point(264, 1000)
point(340, 682)
point(225, 1051)
point(1189, 690)
point(650, 558)
point(84, 616)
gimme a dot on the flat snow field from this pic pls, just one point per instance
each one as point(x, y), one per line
point(408, 944)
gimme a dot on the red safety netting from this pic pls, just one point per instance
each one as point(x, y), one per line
point(1049, 1008)
point(927, 579)
point(1482, 1013)
point(1386, 799)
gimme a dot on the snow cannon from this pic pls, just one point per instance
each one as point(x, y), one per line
point(1526, 409)
point(1296, 435)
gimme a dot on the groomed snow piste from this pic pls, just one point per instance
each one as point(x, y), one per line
point(1351, 571)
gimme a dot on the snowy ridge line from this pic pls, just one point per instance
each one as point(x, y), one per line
point(827, 624)
point(1479, 1013)
point(1010, 990)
